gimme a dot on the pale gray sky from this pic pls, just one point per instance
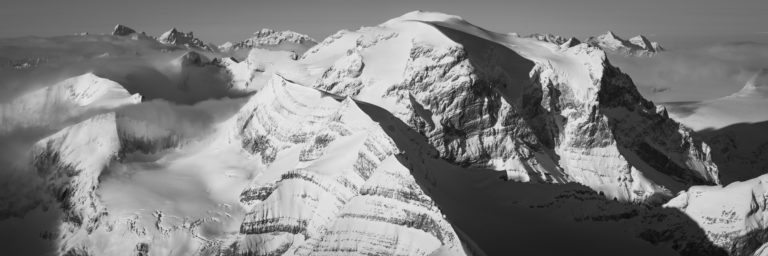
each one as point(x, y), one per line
point(219, 21)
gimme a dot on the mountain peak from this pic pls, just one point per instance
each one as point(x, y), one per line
point(571, 42)
point(610, 34)
point(637, 46)
point(271, 37)
point(122, 30)
point(756, 86)
point(642, 42)
point(178, 38)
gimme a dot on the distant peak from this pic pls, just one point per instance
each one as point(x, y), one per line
point(122, 30)
point(610, 34)
point(267, 36)
point(176, 37)
point(756, 86)
point(265, 31)
point(572, 42)
point(642, 42)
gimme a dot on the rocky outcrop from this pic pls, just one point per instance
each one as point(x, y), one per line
point(635, 46)
point(270, 38)
point(121, 30)
point(70, 163)
point(177, 38)
point(733, 217)
point(334, 183)
point(522, 106)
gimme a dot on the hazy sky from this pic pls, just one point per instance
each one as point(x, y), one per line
point(219, 21)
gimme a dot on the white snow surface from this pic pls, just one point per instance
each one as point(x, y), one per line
point(61, 102)
point(424, 135)
point(411, 64)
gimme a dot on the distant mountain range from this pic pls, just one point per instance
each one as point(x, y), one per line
point(424, 135)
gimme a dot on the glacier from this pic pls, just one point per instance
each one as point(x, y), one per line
point(424, 135)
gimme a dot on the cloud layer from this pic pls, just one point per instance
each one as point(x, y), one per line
point(695, 74)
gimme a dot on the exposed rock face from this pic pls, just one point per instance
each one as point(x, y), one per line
point(252, 73)
point(739, 151)
point(268, 37)
point(730, 125)
point(70, 163)
point(636, 46)
point(571, 42)
point(422, 112)
point(188, 39)
point(121, 30)
point(338, 187)
point(345, 72)
point(555, 39)
point(523, 108)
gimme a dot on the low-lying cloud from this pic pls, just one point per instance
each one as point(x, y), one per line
point(695, 74)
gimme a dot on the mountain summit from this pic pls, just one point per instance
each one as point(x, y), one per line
point(423, 135)
point(121, 30)
point(188, 39)
point(636, 46)
point(274, 40)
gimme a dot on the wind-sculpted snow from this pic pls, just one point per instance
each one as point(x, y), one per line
point(59, 103)
point(398, 139)
point(518, 105)
point(327, 191)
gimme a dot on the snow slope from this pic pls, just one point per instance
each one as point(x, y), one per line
point(333, 187)
point(271, 40)
point(425, 135)
point(733, 217)
point(252, 73)
point(188, 39)
point(514, 104)
point(63, 102)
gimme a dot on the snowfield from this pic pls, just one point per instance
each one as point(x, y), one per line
point(424, 135)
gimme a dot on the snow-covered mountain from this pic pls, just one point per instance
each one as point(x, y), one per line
point(610, 42)
point(636, 46)
point(188, 39)
point(733, 125)
point(122, 30)
point(272, 39)
point(424, 135)
point(518, 105)
point(733, 217)
point(63, 102)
